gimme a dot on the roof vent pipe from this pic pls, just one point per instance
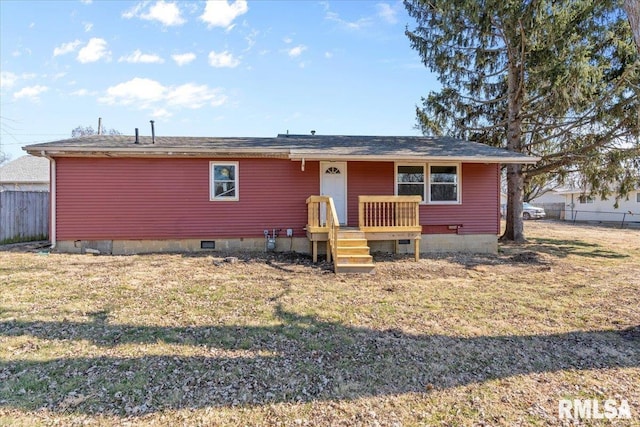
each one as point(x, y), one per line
point(99, 125)
point(153, 133)
point(313, 132)
point(137, 140)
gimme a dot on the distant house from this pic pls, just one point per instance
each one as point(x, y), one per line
point(580, 206)
point(26, 173)
point(188, 193)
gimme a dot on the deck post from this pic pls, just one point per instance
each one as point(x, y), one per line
point(314, 251)
point(328, 251)
point(416, 249)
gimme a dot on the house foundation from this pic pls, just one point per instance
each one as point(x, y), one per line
point(430, 243)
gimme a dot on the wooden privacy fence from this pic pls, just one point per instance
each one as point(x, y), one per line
point(24, 216)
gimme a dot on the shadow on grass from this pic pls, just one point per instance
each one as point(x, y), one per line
point(563, 248)
point(302, 359)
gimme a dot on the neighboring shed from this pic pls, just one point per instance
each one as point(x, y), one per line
point(26, 173)
point(198, 193)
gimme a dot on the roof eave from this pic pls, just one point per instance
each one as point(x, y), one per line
point(151, 152)
point(281, 153)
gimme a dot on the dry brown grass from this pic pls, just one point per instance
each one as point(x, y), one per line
point(451, 340)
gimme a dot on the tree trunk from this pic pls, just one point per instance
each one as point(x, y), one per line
point(515, 183)
point(515, 189)
point(632, 7)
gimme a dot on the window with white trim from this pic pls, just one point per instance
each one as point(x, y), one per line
point(410, 180)
point(223, 181)
point(584, 199)
point(444, 183)
point(638, 197)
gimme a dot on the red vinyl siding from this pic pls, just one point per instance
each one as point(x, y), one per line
point(478, 213)
point(130, 198)
point(369, 179)
point(124, 198)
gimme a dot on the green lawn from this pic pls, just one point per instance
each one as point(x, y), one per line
point(450, 340)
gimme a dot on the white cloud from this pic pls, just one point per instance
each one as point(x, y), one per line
point(30, 92)
point(134, 11)
point(387, 13)
point(88, 26)
point(80, 92)
point(251, 39)
point(95, 50)
point(160, 113)
point(8, 79)
point(296, 51)
point(328, 55)
point(219, 13)
point(222, 59)
point(145, 58)
point(287, 40)
point(348, 25)
point(194, 96)
point(86, 1)
point(147, 94)
point(183, 58)
point(169, 14)
point(65, 48)
point(142, 92)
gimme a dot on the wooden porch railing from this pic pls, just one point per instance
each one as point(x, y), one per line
point(383, 217)
point(322, 217)
point(316, 222)
point(389, 213)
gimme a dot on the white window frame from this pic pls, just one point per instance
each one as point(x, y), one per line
point(585, 199)
point(458, 200)
point(395, 178)
point(212, 196)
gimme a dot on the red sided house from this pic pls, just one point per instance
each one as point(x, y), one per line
point(356, 193)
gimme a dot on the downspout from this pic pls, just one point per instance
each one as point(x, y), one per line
point(52, 198)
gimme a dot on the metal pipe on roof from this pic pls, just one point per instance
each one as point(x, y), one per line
point(137, 141)
point(153, 133)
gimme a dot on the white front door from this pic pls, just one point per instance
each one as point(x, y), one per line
point(333, 182)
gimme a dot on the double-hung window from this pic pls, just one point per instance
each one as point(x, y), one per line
point(224, 181)
point(434, 183)
point(443, 184)
point(410, 180)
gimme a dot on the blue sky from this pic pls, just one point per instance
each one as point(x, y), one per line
point(218, 68)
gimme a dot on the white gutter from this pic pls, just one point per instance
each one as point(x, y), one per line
point(413, 158)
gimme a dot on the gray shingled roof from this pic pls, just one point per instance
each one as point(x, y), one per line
point(24, 170)
point(289, 146)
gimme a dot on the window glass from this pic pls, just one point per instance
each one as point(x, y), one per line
point(443, 182)
point(224, 181)
point(410, 181)
point(584, 199)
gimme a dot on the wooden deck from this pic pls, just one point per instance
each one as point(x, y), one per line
point(379, 218)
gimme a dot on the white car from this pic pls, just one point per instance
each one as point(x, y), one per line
point(532, 212)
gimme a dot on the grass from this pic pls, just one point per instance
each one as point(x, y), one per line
point(451, 340)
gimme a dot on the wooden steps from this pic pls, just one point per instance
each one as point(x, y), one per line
point(352, 253)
